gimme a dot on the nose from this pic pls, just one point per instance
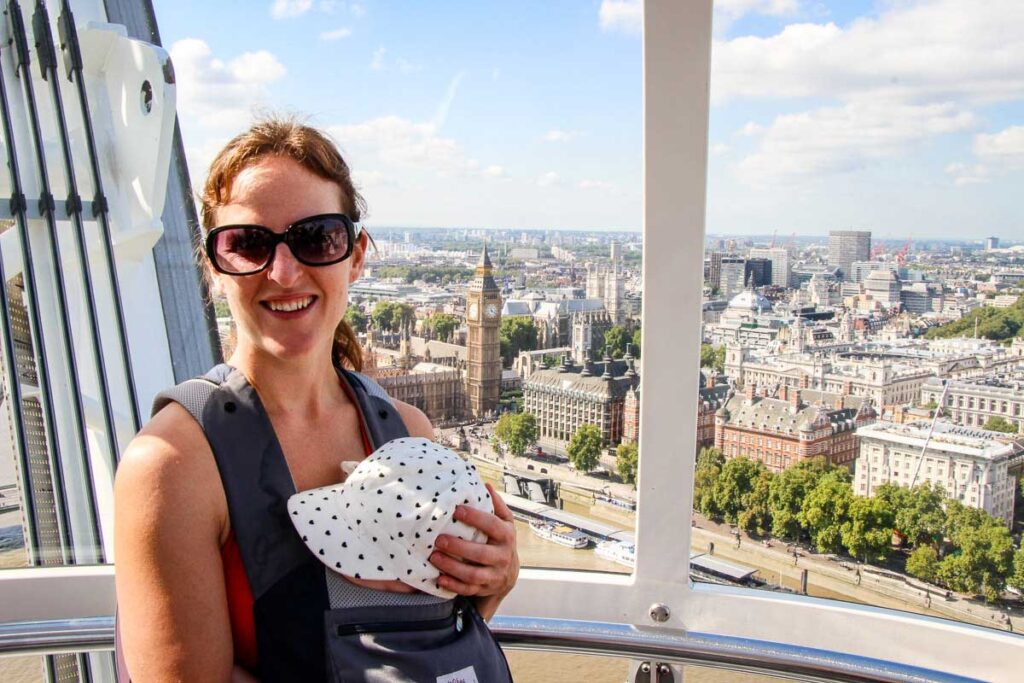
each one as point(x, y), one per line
point(284, 270)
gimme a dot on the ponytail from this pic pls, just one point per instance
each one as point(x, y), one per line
point(346, 352)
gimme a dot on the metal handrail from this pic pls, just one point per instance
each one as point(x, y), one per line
point(662, 645)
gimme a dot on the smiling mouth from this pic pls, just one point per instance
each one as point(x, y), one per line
point(290, 305)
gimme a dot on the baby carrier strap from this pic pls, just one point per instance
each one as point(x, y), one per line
point(287, 582)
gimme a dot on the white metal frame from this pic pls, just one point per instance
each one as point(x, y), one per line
point(676, 57)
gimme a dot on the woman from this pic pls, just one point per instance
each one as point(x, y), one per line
point(185, 609)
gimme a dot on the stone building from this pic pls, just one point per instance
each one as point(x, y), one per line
point(795, 426)
point(563, 399)
point(977, 467)
point(439, 391)
point(971, 402)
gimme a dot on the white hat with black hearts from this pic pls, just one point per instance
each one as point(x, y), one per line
point(381, 523)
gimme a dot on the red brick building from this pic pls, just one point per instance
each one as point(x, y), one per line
point(796, 425)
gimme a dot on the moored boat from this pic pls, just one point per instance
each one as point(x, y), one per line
point(560, 533)
point(617, 551)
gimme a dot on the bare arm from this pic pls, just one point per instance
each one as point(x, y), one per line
point(170, 517)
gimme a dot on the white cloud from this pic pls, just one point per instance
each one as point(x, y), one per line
point(286, 9)
point(750, 129)
point(602, 185)
point(965, 174)
point(373, 179)
point(445, 105)
point(561, 135)
point(918, 51)
point(809, 145)
point(217, 98)
point(377, 63)
point(357, 9)
point(719, 149)
point(1005, 147)
point(336, 34)
point(392, 142)
point(215, 94)
point(621, 15)
point(549, 179)
point(495, 171)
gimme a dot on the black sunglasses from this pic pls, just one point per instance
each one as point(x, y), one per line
point(320, 240)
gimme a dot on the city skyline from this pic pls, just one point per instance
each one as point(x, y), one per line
point(824, 115)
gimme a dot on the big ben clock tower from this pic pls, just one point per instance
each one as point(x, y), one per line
point(483, 318)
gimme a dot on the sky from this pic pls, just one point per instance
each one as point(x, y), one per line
point(903, 117)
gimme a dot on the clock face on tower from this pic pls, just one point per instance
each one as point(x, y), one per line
point(473, 310)
point(491, 311)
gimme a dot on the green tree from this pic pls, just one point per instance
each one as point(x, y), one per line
point(516, 432)
point(787, 492)
point(706, 473)
point(920, 517)
point(867, 533)
point(442, 325)
point(1016, 579)
point(585, 447)
point(1000, 424)
point(734, 488)
point(627, 458)
point(826, 508)
point(615, 340)
point(712, 357)
point(636, 342)
point(756, 517)
point(356, 319)
point(392, 315)
point(516, 334)
point(923, 563)
point(981, 563)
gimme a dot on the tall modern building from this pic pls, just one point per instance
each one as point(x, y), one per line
point(732, 275)
point(847, 246)
point(759, 270)
point(991, 243)
point(779, 256)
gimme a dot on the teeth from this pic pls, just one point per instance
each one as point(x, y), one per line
point(294, 305)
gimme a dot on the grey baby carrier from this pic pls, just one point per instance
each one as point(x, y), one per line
point(311, 624)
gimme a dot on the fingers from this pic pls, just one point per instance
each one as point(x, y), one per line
point(478, 553)
point(498, 530)
point(500, 508)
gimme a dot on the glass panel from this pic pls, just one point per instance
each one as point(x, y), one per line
point(530, 335)
point(66, 668)
point(828, 466)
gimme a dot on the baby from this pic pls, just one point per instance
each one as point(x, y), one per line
point(378, 527)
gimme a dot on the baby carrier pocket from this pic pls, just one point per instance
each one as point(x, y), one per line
point(444, 642)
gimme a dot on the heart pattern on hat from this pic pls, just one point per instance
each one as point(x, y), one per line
point(383, 521)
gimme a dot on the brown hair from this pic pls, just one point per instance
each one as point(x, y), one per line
point(314, 151)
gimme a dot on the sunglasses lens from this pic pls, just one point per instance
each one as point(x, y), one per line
point(319, 241)
point(243, 249)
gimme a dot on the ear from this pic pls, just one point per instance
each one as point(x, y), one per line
point(358, 257)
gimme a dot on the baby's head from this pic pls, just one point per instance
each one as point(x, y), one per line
point(381, 523)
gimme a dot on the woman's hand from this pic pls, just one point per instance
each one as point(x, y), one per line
point(487, 571)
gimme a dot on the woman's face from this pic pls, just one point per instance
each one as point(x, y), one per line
point(289, 310)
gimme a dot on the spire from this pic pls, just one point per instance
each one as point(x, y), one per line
point(485, 259)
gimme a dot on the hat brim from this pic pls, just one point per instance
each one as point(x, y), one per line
point(335, 537)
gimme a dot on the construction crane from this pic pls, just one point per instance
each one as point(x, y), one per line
point(876, 251)
point(901, 255)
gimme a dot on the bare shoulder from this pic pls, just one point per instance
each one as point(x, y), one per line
point(169, 466)
point(416, 422)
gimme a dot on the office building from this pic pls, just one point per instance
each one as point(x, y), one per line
point(847, 246)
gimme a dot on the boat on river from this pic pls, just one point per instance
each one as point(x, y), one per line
point(621, 552)
point(561, 534)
